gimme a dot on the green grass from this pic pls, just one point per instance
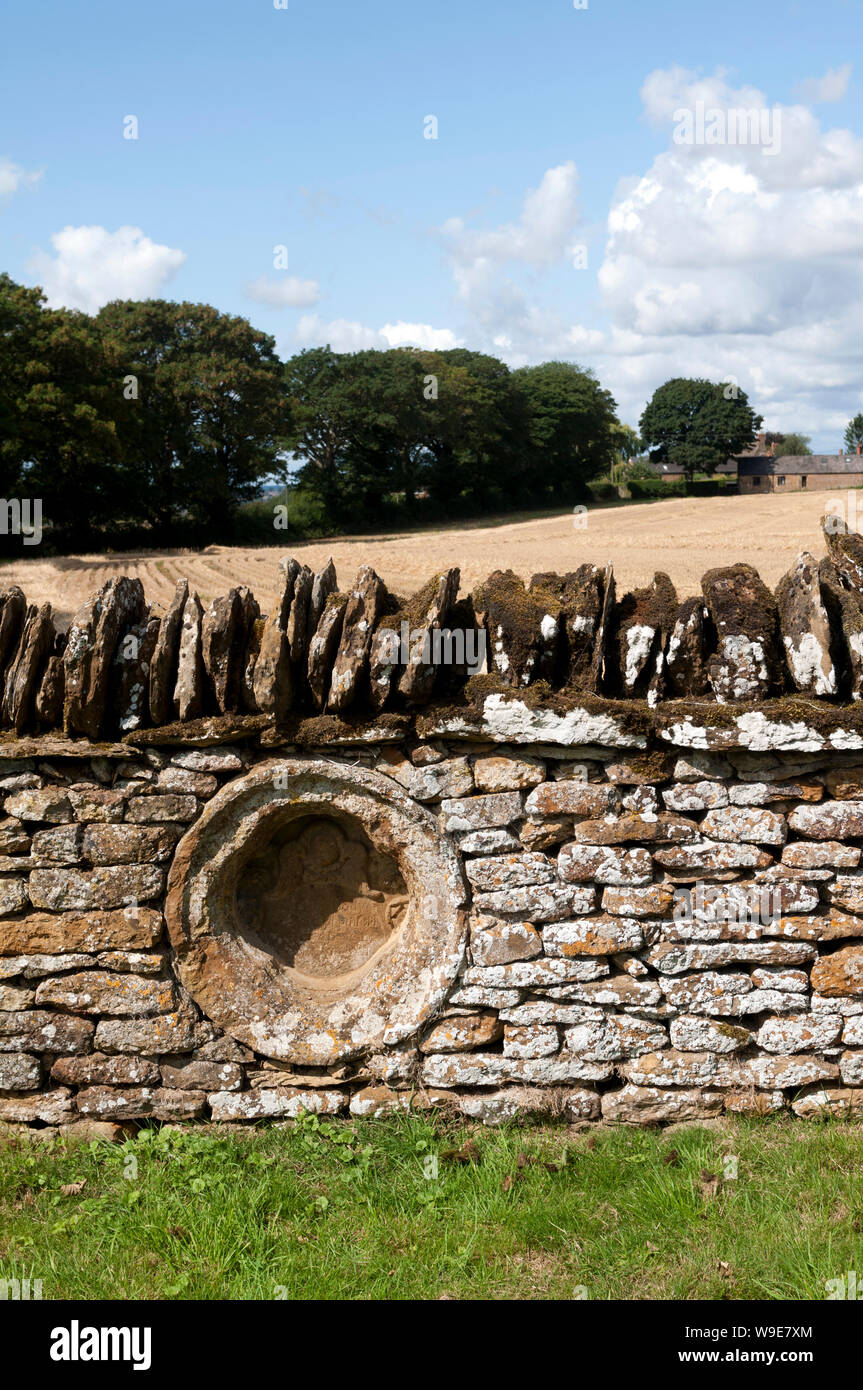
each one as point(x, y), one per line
point(337, 1210)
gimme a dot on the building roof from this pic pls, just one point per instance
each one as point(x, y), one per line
point(762, 465)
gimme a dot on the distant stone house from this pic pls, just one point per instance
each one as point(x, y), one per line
point(799, 472)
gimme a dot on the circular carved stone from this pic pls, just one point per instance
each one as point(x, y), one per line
point(315, 911)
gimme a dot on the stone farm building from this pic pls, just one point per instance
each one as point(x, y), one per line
point(795, 472)
point(757, 470)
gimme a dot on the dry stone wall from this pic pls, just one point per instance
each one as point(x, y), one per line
point(620, 927)
point(125, 666)
point(539, 850)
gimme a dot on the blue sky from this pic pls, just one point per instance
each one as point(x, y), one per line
point(304, 127)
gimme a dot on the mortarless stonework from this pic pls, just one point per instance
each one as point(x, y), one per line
point(247, 929)
point(345, 882)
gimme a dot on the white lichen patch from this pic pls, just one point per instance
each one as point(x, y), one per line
point(639, 640)
point(810, 664)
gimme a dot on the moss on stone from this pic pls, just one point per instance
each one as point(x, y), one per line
point(653, 607)
point(216, 728)
point(657, 765)
point(320, 730)
point(823, 716)
point(728, 1030)
point(56, 745)
point(513, 618)
point(740, 604)
point(413, 610)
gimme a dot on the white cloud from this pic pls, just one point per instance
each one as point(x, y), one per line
point(804, 156)
point(720, 260)
point(284, 292)
point(722, 239)
point(420, 335)
point(831, 87)
point(666, 89)
point(343, 335)
point(723, 260)
point(348, 335)
point(13, 177)
point(539, 237)
point(92, 266)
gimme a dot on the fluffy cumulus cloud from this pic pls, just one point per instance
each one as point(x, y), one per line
point(343, 335)
point(483, 260)
point(13, 177)
point(539, 235)
point(485, 263)
point(282, 292)
point(347, 335)
point(420, 335)
point(741, 258)
point(736, 255)
point(91, 266)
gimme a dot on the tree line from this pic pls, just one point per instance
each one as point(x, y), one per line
point(159, 423)
point(146, 420)
point(155, 423)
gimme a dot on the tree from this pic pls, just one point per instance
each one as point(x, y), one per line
point(355, 426)
point(457, 408)
point(573, 430)
point(697, 424)
point(59, 440)
point(75, 462)
point(485, 428)
point(201, 409)
point(388, 426)
point(377, 423)
point(787, 445)
point(21, 312)
point(317, 386)
point(627, 441)
point(854, 434)
point(626, 463)
point(235, 393)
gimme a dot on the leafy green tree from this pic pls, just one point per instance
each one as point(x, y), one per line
point(786, 445)
point(697, 424)
point(453, 400)
point(355, 426)
point(854, 434)
point(627, 441)
point(201, 409)
point(376, 424)
point(59, 441)
point(239, 413)
point(69, 408)
point(573, 431)
point(21, 311)
point(626, 463)
point(143, 343)
point(636, 468)
point(319, 395)
point(389, 429)
point(492, 461)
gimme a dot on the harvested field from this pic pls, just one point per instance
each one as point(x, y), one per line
point(683, 536)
